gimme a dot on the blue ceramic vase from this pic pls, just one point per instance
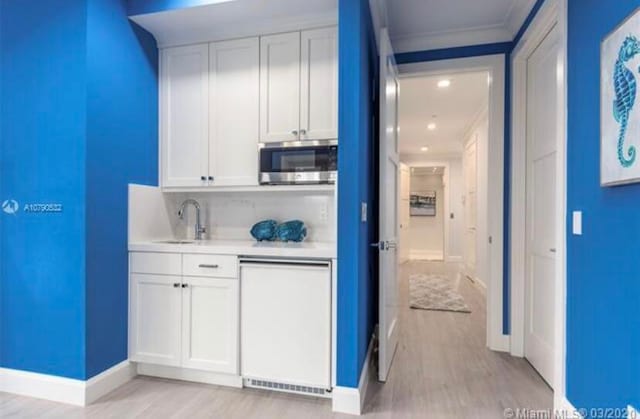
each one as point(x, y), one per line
point(294, 231)
point(264, 230)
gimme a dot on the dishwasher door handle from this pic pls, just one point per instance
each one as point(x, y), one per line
point(285, 262)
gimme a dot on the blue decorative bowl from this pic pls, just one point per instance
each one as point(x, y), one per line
point(264, 230)
point(294, 231)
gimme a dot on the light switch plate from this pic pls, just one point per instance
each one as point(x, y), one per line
point(577, 223)
point(363, 212)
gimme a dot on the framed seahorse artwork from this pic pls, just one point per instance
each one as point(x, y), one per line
point(620, 104)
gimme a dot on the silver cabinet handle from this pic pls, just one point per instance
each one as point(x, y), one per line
point(208, 266)
point(303, 132)
point(185, 285)
point(176, 285)
point(552, 250)
point(294, 132)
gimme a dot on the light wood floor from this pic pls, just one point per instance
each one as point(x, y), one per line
point(442, 370)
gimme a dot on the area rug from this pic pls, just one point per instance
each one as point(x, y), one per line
point(435, 292)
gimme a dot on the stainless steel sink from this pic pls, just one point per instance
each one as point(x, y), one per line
point(175, 241)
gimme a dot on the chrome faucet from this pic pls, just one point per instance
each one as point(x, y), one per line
point(199, 228)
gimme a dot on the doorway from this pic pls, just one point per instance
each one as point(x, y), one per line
point(451, 119)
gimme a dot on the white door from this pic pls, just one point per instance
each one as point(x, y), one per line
point(280, 87)
point(155, 319)
point(404, 212)
point(389, 171)
point(470, 163)
point(542, 104)
point(286, 338)
point(210, 310)
point(234, 108)
point(184, 116)
point(319, 84)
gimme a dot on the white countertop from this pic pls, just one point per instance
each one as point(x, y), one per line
point(319, 250)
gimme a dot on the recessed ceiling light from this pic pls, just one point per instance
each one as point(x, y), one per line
point(424, 148)
point(431, 126)
point(444, 83)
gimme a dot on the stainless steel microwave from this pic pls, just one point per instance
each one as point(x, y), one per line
point(299, 162)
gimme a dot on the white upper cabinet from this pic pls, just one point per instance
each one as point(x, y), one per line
point(184, 115)
point(299, 86)
point(319, 85)
point(219, 100)
point(280, 87)
point(234, 97)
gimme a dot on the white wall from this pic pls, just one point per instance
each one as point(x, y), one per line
point(454, 241)
point(227, 216)
point(426, 234)
point(231, 215)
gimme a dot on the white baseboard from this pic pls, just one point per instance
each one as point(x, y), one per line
point(563, 408)
point(65, 390)
point(183, 374)
point(351, 400)
point(109, 380)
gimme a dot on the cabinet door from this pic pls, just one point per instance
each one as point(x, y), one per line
point(155, 319)
point(280, 87)
point(234, 109)
point(184, 115)
point(210, 329)
point(319, 85)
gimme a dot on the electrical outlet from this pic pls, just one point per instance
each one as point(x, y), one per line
point(323, 213)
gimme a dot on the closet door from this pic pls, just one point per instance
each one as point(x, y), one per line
point(234, 108)
point(319, 85)
point(280, 87)
point(184, 114)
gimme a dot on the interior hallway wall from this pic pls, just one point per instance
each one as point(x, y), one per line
point(426, 233)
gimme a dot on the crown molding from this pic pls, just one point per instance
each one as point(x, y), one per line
point(430, 41)
point(517, 14)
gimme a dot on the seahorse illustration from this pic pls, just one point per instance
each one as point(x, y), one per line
point(625, 88)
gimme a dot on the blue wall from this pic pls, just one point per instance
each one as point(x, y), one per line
point(43, 156)
point(603, 281)
point(78, 122)
point(139, 7)
point(357, 286)
point(122, 148)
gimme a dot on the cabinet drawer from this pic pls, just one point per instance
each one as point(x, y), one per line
point(156, 263)
point(210, 265)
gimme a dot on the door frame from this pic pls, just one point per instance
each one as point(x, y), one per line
point(552, 14)
point(491, 222)
point(446, 254)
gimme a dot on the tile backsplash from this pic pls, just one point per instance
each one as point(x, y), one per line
point(231, 215)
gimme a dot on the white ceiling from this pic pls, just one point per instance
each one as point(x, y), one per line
point(234, 19)
point(429, 24)
point(456, 107)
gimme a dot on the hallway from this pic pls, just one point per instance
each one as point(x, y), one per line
point(442, 370)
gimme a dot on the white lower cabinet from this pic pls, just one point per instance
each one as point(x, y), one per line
point(183, 321)
point(210, 324)
point(155, 319)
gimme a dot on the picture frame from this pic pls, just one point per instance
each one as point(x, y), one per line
point(620, 104)
point(422, 204)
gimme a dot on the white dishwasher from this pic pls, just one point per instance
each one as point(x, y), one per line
point(285, 325)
